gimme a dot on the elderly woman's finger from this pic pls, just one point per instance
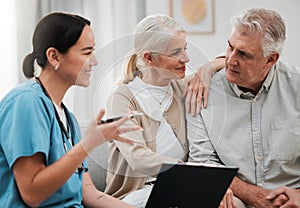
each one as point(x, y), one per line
point(193, 105)
point(205, 98)
point(188, 101)
point(199, 103)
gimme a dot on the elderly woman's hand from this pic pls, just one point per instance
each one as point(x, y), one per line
point(196, 93)
point(227, 201)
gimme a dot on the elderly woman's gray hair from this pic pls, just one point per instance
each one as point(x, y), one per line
point(152, 34)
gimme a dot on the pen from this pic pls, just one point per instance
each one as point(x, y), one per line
point(109, 120)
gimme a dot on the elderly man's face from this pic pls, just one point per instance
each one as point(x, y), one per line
point(245, 64)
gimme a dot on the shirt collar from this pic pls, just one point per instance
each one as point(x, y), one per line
point(266, 85)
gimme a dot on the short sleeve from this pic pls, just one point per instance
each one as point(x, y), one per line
point(25, 126)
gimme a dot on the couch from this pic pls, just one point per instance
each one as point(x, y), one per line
point(97, 163)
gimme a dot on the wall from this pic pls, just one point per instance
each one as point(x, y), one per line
point(113, 22)
point(216, 43)
point(8, 57)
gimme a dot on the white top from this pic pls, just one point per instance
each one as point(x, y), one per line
point(149, 98)
point(61, 114)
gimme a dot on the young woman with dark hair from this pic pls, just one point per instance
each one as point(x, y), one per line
point(42, 155)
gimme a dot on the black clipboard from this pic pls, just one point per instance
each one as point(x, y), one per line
point(186, 186)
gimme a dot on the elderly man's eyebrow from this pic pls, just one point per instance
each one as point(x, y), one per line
point(242, 52)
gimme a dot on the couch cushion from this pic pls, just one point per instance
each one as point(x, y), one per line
point(97, 162)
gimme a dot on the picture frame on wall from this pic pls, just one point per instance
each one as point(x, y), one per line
point(197, 16)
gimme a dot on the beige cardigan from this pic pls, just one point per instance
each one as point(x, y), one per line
point(130, 165)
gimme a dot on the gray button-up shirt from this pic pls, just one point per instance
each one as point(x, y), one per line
point(259, 134)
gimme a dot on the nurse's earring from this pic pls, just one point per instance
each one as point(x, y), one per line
point(56, 67)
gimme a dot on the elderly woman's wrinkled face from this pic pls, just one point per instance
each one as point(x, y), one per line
point(172, 61)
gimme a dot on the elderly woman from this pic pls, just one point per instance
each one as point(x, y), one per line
point(152, 84)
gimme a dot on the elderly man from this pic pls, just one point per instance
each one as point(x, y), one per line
point(253, 117)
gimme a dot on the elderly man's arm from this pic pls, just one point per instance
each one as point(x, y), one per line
point(200, 148)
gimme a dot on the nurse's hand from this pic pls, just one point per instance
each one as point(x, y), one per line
point(98, 133)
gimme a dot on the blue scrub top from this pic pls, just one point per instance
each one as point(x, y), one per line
point(28, 125)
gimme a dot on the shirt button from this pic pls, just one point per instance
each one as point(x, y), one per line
point(255, 128)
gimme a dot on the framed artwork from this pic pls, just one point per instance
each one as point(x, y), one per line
point(197, 16)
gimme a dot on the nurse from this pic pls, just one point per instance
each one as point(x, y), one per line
point(42, 159)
